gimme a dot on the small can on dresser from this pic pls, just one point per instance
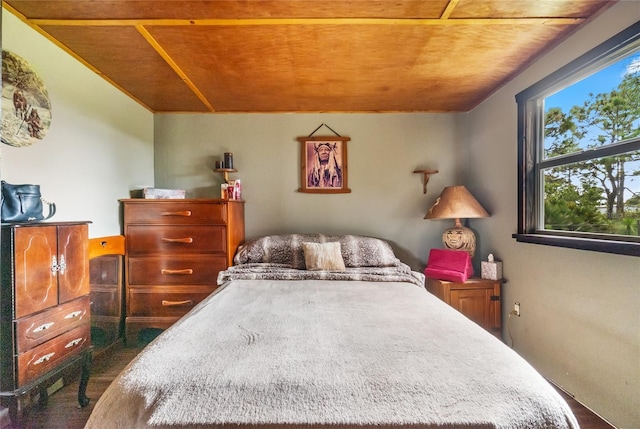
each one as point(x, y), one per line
point(228, 160)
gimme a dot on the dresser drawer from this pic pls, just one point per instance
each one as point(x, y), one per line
point(174, 212)
point(165, 302)
point(36, 329)
point(176, 239)
point(105, 270)
point(35, 362)
point(175, 270)
point(105, 300)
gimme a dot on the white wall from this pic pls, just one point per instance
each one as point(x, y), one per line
point(99, 145)
point(386, 198)
point(580, 323)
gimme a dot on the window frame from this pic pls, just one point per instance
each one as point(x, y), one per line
point(531, 145)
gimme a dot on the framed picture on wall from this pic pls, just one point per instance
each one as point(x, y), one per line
point(324, 165)
point(26, 108)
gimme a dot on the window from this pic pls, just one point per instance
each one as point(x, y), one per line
point(579, 152)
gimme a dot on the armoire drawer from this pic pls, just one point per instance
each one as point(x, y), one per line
point(36, 329)
point(148, 239)
point(165, 302)
point(46, 356)
point(174, 212)
point(175, 269)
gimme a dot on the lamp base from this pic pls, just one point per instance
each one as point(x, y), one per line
point(460, 238)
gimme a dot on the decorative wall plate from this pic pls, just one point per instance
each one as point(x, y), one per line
point(26, 109)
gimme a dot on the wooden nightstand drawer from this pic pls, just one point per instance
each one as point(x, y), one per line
point(145, 239)
point(46, 356)
point(36, 329)
point(175, 269)
point(174, 212)
point(165, 302)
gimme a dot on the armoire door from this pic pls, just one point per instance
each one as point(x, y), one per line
point(73, 272)
point(35, 263)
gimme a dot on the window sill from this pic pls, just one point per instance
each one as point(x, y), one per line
point(606, 246)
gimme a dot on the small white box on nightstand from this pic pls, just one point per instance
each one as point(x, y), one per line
point(491, 270)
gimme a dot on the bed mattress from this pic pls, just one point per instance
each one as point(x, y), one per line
point(328, 354)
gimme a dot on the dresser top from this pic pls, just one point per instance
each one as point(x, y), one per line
point(180, 200)
point(42, 223)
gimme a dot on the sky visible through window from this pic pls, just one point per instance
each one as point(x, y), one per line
point(603, 81)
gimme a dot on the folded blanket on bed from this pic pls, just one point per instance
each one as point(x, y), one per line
point(264, 271)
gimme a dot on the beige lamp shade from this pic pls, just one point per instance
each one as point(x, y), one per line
point(456, 202)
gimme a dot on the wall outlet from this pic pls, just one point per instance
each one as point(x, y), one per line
point(516, 309)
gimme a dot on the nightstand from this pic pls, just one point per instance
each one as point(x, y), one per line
point(478, 299)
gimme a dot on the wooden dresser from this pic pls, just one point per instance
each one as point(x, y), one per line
point(44, 308)
point(174, 252)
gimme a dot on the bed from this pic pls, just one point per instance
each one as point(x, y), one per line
point(320, 331)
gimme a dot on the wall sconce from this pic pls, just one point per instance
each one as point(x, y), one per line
point(456, 202)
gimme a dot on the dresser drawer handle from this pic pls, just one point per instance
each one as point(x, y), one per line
point(177, 240)
point(44, 327)
point(176, 303)
point(73, 314)
point(184, 213)
point(44, 358)
point(73, 343)
point(186, 271)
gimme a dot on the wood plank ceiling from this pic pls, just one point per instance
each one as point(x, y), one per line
point(307, 55)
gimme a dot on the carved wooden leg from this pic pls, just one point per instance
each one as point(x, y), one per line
point(83, 400)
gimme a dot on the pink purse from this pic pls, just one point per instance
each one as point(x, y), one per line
point(452, 265)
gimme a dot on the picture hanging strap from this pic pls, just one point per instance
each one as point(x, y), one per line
point(324, 125)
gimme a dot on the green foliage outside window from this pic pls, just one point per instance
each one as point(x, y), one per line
point(599, 194)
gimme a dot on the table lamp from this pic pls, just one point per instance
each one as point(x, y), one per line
point(456, 202)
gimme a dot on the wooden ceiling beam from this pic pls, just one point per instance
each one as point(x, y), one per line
point(165, 56)
point(449, 9)
point(305, 21)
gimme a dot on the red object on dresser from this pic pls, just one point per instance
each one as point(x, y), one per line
point(452, 265)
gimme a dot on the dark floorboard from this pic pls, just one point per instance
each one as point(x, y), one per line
point(63, 412)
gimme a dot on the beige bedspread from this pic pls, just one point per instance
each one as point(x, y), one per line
point(320, 354)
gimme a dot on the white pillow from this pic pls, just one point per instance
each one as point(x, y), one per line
point(323, 256)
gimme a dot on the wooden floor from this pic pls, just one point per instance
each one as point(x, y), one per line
point(62, 412)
